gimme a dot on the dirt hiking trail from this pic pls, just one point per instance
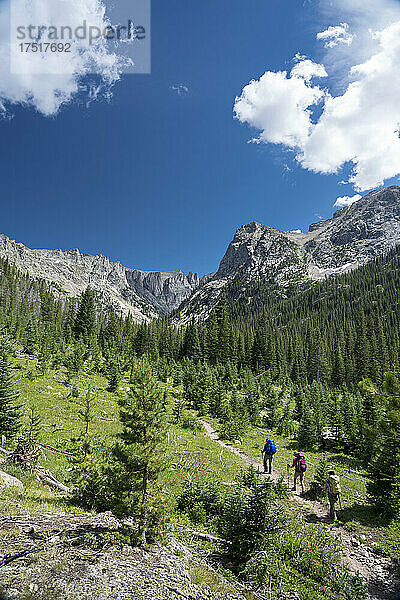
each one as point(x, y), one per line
point(378, 571)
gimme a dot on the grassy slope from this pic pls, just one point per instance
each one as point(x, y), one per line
point(190, 454)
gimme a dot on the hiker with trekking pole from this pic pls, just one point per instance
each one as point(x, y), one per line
point(269, 453)
point(300, 467)
point(332, 486)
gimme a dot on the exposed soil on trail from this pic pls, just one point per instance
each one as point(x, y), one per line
point(378, 571)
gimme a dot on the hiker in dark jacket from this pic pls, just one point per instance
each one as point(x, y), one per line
point(300, 467)
point(269, 452)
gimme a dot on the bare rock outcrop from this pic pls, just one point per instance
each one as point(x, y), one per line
point(143, 294)
point(352, 237)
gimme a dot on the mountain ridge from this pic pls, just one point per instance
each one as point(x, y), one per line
point(143, 294)
point(353, 236)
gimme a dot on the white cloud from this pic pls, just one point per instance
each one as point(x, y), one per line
point(334, 35)
point(359, 126)
point(279, 106)
point(307, 69)
point(180, 89)
point(47, 89)
point(346, 200)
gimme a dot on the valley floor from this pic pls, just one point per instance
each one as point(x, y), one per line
point(184, 567)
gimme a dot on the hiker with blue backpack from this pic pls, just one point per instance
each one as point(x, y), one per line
point(300, 467)
point(269, 453)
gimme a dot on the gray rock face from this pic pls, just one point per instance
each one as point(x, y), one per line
point(163, 291)
point(260, 251)
point(142, 294)
point(352, 237)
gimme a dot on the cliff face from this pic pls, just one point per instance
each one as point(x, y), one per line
point(128, 291)
point(352, 237)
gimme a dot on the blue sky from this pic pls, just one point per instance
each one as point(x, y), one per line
point(159, 179)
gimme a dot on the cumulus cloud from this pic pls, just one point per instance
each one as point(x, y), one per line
point(346, 200)
point(279, 105)
point(307, 69)
point(334, 35)
point(48, 83)
point(358, 127)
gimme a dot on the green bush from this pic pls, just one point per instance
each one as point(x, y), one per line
point(188, 421)
point(232, 430)
point(200, 498)
point(308, 557)
point(390, 545)
point(317, 485)
point(249, 514)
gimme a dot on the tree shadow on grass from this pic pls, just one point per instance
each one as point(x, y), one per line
point(362, 514)
point(347, 461)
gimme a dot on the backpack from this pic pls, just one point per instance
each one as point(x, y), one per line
point(270, 447)
point(334, 484)
point(301, 463)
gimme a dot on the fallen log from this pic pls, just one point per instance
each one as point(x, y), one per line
point(48, 478)
point(205, 536)
point(55, 449)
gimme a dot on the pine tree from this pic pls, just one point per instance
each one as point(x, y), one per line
point(9, 407)
point(321, 475)
point(113, 376)
point(30, 337)
point(338, 370)
point(85, 320)
point(307, 435)
point(224, 350)
point(384, 485)
point(143, 420)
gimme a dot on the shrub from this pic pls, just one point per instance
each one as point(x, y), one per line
point(188, 421)
point(200, 498)
point(309, 557)
point(317, 486)
point(249, 514)
point(390, 544)
point(232, 430)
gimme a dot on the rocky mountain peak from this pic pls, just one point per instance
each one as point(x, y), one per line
point(353, 236)
point(143, 294)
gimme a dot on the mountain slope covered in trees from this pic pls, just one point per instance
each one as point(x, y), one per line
point(291, 261)
point(315, 366)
